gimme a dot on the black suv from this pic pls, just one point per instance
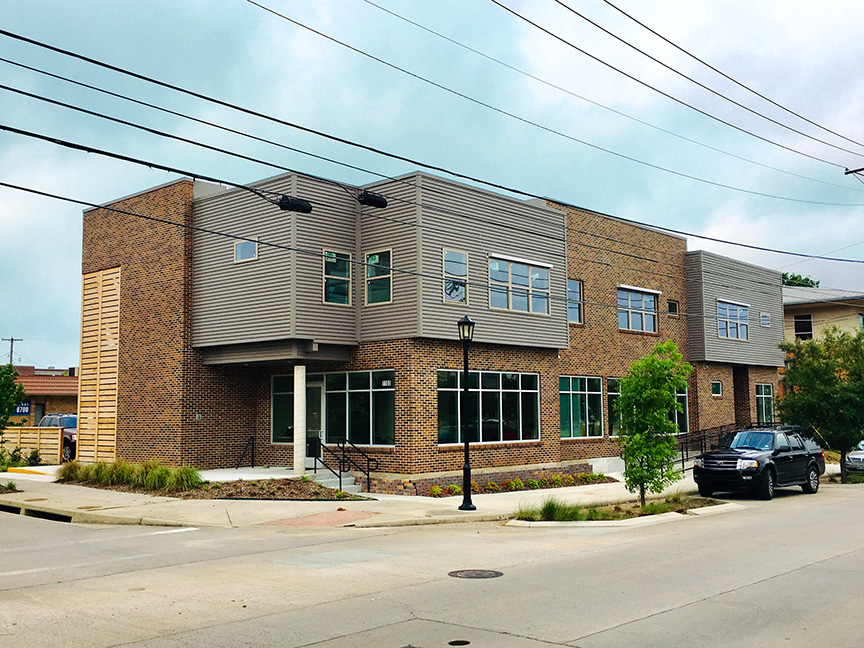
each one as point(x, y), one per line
point(760, 459)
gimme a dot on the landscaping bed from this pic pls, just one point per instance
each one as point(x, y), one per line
point(553, 510)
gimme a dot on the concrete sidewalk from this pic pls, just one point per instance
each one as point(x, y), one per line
point(43, 498)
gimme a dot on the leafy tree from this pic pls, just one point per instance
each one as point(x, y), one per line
point(792, 279)
point(11, 394)
point(648, 394)
point(824, 385)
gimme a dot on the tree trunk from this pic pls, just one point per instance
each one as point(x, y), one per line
point(642, 495)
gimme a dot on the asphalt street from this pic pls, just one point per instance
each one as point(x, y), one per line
point(779, 573)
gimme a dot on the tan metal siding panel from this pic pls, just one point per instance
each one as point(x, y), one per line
point(247, 301)
point(483, 223)
point(695, 315)
point(394, 228)
point(727, 279)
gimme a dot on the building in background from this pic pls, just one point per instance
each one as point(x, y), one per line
point(243, 324)
point(809, 311)
point(48, 391)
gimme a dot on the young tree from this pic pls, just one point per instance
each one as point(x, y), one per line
point(11, 394)
point(792, 279)
point(824, 385)
point(648, 394)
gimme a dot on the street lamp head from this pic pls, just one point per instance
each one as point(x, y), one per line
point(466, 329)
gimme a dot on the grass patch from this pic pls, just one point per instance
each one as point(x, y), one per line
point(554, 510)
point(150, 476)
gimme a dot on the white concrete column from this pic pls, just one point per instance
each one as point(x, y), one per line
point(299, 419)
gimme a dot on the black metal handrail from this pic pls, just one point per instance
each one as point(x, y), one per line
point(250, 442)
point(348, 460)
point(700, 441)
point(339, 462)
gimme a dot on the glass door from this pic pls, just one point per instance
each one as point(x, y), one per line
point(314, 418)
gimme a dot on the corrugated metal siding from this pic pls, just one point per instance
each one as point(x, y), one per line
point(695, 306)
point(395, 228)
point(726, 279)
point(482, 223)
point(248, 301)
point(331, 225)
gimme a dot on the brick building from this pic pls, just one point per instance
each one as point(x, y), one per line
point(48, 391)
point(341, 323)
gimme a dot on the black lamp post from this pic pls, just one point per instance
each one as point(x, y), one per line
point(466, 334)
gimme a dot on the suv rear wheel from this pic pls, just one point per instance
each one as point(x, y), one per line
point(812, 483)
point(766, 485)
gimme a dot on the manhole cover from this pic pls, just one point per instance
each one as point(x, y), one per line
point(475, 573)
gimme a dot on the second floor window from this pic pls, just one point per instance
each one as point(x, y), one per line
point(803, 326)
point(574, 301)
point(732, 321)
point(455, 277)
point(245, 251)
point(518, 286)
point(337, 277)
point(379, 278)
point(637, 311)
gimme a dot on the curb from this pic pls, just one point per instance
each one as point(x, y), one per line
point(646, 520)
point(453, 519)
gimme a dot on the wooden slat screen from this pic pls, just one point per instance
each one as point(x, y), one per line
point(97, 383)
point(47, 440)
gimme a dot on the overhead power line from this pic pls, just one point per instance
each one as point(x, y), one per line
point(620, 113)
point(702, 85)
point(658, 90)
point(733, 80)
point(396, 156)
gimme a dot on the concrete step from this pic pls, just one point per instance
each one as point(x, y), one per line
point(328, 479)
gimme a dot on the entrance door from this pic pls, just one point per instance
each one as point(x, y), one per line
point(314, 418)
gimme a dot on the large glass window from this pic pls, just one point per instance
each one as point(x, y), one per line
point(282, 409)
point(455, 277)
point(612, 394)
point(574, 301)
point(361, 406)
point(379, 278)
point(732, 321)
point(803, 326)
point(581, 406)
point(637, 311)
point(764, 403)
point(337, 277)
point(682, 418)
point(501, 406)
point(518, 286)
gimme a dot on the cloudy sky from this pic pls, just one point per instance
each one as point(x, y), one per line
point(576, 130)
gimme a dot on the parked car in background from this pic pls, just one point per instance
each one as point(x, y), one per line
point(855, 459)
point(69, 423)
point(761, 459)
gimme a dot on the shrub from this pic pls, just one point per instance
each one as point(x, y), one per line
point(551, 510)
point(557, 481)
point(11, 487)
point(569, 480)
point(69, 471)
point(304, 478)
point(655, 508)
point(183, 478)
point(583, 478)
point(544, 483)
point(475, 487)
point(33, 459)
point(515, 485)
point(533, 484)
point(435, 491)
point(492, 487)
point(453, 489)
point(157, 478)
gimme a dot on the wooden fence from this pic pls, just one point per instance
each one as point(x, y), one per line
point(47, 440)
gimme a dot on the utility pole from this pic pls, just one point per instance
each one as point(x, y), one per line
point(12, 342)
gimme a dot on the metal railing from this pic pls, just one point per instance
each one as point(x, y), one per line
point(250, 444)
point(348, 460)
point(343, 460)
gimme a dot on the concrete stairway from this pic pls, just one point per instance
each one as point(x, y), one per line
point(328, 479)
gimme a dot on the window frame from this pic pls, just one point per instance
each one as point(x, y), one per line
point(719, 392)
point(802, 317)
point(669, 312)
point(237, 244)
point(686, 413)
point(348, 390)
point(349, 279)
point(763, 397)
point(273, 394)
point(368, 280)
point(578, 303)
point(611, 396)
point(587, 392)
point(475, 380)
point(445, 276)
point(629, 310)
point(529, 289)
point(765, 320)
point(737, 321)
